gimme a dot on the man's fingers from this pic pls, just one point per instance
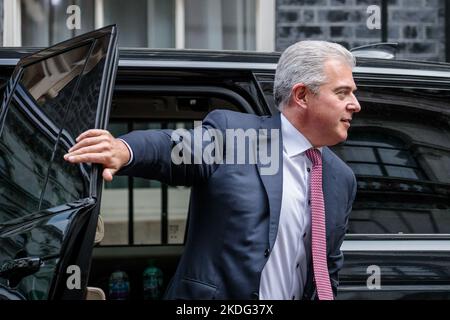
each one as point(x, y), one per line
point(96, 148)
point(107, 175)
point(88, 142)
point(91, 133)
point(87, 157)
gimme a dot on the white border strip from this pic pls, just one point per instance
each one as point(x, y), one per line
point(182, 64)
point(8, 62)
point(409, 72)
point(395, 245)
point(196, 64)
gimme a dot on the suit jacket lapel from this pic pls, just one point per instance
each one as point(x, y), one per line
point(273, 182)
point(329, 191)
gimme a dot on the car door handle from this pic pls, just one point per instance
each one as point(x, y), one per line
point(14, 270)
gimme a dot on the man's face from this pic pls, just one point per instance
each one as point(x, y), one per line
point(331, 110)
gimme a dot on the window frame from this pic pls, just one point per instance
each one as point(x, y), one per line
point(377, 152)
point(381, 82)
point(265, 23)
point(215, 91)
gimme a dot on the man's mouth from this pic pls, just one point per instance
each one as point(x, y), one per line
point(347, 120)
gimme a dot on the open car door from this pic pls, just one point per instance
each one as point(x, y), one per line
point(48, 207)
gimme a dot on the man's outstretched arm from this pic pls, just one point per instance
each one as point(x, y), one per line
point(152, 152)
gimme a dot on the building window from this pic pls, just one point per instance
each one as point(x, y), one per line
point(44, 22)
point(220, 24)
point(192, 24)
point(146, 23)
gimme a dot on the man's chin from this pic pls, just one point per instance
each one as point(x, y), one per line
point(339, 139)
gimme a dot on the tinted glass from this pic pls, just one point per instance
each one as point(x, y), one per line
point(220, 24)
point(52, 104)
point(399, 149)
point(265, 81)
point(68, 182)
point(25, 152)
point(33, 122)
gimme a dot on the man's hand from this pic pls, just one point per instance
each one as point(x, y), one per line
point(99, 146)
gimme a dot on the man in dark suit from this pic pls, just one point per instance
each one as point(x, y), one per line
point(256, 233)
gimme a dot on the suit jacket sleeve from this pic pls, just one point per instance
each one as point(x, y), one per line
point(154, 152)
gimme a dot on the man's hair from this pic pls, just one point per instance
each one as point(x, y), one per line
point(303, 62)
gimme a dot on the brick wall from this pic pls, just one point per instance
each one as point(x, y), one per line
point(418, 25)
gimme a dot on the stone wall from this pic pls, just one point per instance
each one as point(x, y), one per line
point(417, 25)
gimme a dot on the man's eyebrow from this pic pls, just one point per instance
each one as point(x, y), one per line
point(345, 88)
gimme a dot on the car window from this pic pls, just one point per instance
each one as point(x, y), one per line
point(399, 149)
point(48, 207)
point(68, 182)
point(265, 81)
point(53, 102)
point(33, 122)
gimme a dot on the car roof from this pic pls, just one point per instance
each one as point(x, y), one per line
point(248, 60)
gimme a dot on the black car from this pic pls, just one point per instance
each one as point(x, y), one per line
point(397, 246)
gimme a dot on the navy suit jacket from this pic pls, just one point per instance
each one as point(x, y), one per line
point(234, 211)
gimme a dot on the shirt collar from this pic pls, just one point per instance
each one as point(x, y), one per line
point(294, 142)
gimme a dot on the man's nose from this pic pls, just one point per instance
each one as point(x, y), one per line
point(354, 105)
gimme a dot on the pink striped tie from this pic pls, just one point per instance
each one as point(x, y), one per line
point(319, 244)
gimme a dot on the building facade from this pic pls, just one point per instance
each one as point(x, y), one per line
point(420, 27)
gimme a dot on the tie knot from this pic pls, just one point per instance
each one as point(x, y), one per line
point(315, 156)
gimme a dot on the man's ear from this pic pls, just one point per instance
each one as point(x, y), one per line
point(299, 95)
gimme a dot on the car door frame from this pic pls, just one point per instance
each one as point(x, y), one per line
point(78, 240)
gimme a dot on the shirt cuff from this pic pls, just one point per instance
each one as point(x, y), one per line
point(130, 150)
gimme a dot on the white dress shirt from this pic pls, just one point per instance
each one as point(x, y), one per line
point(284, 275)
point(130, 150)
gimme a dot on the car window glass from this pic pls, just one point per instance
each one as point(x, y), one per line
point(265, 81)
point(399, 150)
point(68, 182)
point(33, 122)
